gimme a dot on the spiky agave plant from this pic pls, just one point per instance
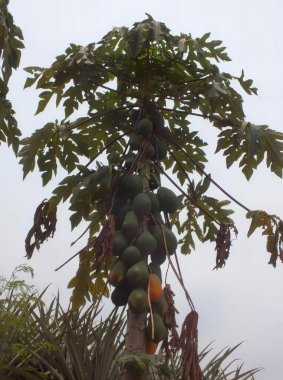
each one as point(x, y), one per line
point(69, 345)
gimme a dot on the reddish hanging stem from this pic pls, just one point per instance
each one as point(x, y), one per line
point(189, 344)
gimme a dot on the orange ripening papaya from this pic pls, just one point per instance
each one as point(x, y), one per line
point(155, 288)
point(150, 347)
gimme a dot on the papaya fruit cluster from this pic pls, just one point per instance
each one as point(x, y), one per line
point(146, 139)
point(141, 236)
point(142, 241)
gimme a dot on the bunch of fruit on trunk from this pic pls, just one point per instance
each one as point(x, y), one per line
point(142, 240)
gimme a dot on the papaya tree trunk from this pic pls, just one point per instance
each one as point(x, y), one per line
point(135, 335)
point(134, 341)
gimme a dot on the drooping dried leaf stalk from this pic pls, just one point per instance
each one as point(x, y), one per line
point(104, 243)
point(170, 322)
point(223, 244)
point(189, 344)
point(44, 226)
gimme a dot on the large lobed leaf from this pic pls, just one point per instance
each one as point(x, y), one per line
point(10, 54)
point(250, 144)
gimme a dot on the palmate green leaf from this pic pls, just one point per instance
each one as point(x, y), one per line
point(10, 42)
point(186, 154)
point(89, 195)
point(34, 145)
point(250, 144)
point(260, 219)
point(80, 283)
point(46, 148)
point(88, 285)
point(9, 131)
point(204, 214)
point(45, 97)
point(98, 286)
point(246, 84)
point(138, 38)
point(65, 188)
point(190, 229)
point(272, 142)
point(10, 52)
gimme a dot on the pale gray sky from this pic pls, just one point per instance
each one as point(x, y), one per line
point(243, 301)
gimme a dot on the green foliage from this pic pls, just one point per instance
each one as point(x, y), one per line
point(89, 284)
point(10, 54)
point(53, 343)
point(202, 207)
point(250, 144)
point(17, 298)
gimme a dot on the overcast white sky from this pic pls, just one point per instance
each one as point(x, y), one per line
point(242, 302)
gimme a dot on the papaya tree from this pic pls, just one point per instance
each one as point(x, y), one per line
point(142, 87)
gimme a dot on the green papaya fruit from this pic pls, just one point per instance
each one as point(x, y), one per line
point(117, 274)
point(130, 226)
point(138, 301)
point(144, 127)
point(157, 120)
point(149, 151)
point(132, 185)
point(135, 114)
point(137, 275)
point(158, 257)
point(129, 160)
point(131, 255)
point(121, 215)
point(120, 295)
point(135, 142)
point(159, 331)
point(167, 199)
point(161, 149)
point(160, 307)
point(119, 243)
point(114, 206)
point(163, 234)
point(146, 243)
point(155, 205)
point(142, 204)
